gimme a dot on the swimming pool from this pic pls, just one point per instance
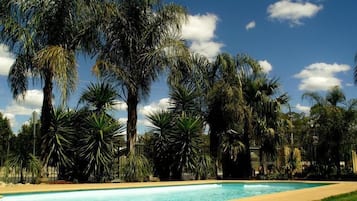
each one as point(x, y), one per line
point(203, 192)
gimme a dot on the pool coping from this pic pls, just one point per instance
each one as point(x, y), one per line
point(307, 194)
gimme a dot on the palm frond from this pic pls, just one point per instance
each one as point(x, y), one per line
point(61, 62)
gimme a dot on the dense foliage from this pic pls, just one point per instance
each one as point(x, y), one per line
point(227, 118)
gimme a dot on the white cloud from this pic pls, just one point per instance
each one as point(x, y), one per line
point(11, 118)
point(302, 108)
point(23, 107)
point(208, 49)
point(120, 105)
point(19, 110)
point(33, 98)
point(250, 25)
point(6, 60)
point(200, 31)
point(266, 66)
point(293, 11)
point(321, 76)
point(162, 105)
point(200, 27)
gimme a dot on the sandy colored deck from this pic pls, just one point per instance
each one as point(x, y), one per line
point(310, 194)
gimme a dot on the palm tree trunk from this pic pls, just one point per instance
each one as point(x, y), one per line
point(247, 161)
point(47, 106)
point(261, 162)
point(338, 159)
point(132, 103)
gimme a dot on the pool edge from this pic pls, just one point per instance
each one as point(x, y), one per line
point(288, 195)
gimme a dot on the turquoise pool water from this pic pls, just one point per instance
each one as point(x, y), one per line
point(205, 192)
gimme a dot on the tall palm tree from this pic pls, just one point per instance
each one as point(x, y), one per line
point(262, 96)
point(44, 36)
point(329, 112)
point(138, 36)
point(229, 117)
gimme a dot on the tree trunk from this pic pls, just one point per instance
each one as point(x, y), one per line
point(214, 144)
point(261, 162)
point(246, 165)
point(132, 103)
point(47, 106)
point(337, 160)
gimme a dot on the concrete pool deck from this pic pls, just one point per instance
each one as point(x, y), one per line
point(309, 194)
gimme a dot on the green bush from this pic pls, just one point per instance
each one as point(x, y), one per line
point(136, 168)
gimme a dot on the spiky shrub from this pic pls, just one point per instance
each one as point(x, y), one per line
point(136, 168)
point(97, 147)
point(205, 167)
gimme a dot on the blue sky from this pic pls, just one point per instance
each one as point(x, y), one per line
point(308, 45)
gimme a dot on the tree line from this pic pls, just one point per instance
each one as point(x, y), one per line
point(133, 42)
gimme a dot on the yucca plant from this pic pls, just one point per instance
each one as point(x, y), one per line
point(97, 148)
point(99, 97)
point(24, 164)
point(162, 130)
point(57, 143)
point(205, 167)
point(136, 168)
point(186, 142)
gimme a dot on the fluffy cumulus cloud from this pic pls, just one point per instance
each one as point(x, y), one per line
point(266, 66)
point(293, 11)
point(6, 60)
point(161, 105)
point(32, 99)
point(321, 76)
point(250, 25)
point(23, 107)
point(302, 108)
point(200, 32)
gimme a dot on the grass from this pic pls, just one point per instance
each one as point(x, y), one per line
point(343, 197)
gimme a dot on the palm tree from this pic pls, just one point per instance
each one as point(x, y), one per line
point(262, 96)
point(223, 93)
point(228, 113)
point(5, 136)
point(21, 158)
point(139, 36)
point(44, 36)
point(334, 120)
